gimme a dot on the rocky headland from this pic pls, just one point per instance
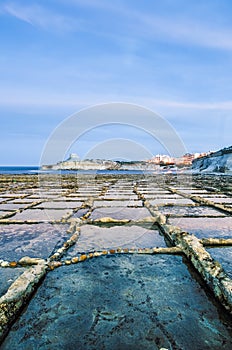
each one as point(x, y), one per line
point(216, 162)
point(75, 163)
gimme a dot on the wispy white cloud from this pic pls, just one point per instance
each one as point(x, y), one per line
point(34, 97)
point(185, 29)
point(224, 105)
point(41, 17)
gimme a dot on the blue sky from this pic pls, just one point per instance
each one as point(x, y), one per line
point(60, 56)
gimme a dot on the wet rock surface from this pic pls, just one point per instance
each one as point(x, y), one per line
point(224, 256)
point(120, 213)
point(41, 215)
point(113, 257)
point(121, 303)
point(36, 240)
point(205, 227)
point(7, 276)
point(94, 238)
point(192, 211)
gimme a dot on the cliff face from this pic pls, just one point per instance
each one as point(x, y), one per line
point(98, 164)
point(83, 165)
point(219, 162)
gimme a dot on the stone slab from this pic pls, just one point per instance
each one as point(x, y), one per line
point(80, 213)
point(12, 206)
point(41, 214)
point(190, 210)
point(120, 213)
point(36, 240)
point(122, 302)
point(115, 203)
point(7, 277)
point(205, 227)
point(154, 192)
point(68, 199)
point(24, 200)
point(120, 197)
point(84, 194)
point(42, 196)
point(219, 199)
point(94, 238)
point(59, 205)
point(224, 256)
point(174, 201)
point(150, 196)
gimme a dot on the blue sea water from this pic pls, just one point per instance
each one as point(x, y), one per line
point(36, 170)
point(19, 169)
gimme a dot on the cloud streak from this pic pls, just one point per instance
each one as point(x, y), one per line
point(159, 27)
point(186, 32)
point(168, 28)
point(32, 98)
point(40, 17)
point(225, 105)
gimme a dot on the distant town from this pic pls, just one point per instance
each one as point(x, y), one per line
point(186, 159)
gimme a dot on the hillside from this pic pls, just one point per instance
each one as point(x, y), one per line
point(219, 162)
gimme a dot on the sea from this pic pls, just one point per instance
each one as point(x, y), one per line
point(36, 170)
point(19, 169)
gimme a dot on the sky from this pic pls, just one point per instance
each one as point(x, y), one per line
point(58, 57)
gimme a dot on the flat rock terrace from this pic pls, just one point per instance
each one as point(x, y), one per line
point(110, 261)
